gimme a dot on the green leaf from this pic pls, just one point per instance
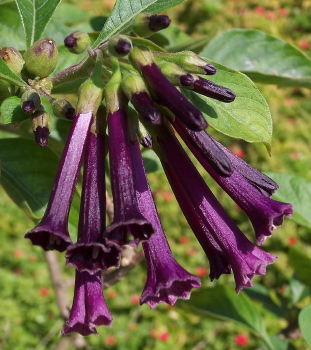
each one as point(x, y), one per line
point(11, 29)
point(222, 302)
point(7, 75)
point(301, 264)
point(304, 320)
point(263, 57)
point(151, 161)
point(247, 117)
point(297, 191)
point(124, 12)
point(35, 15)
point(27, 174)
point(11, 111)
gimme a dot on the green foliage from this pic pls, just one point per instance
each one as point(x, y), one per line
point(304, 323)
point(247, 117)
point(263, 57)
point(11, 111)
point(125, 10)
point(35, 16)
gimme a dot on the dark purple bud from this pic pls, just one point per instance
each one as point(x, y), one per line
point(158, 22)
point(128, 225)
point(204, 145)
point(120, 45)
point(63, 109)
point(30, 101)
point(42, 136)
point(145, 108)
point(123, 47)
point(146, 141)
point(215, 91)
point(168, 96)
point(186, 80)
point(89, 309)
point(77, 42)
point(210, 69)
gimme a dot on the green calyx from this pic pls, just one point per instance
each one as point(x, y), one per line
point(41, 58)
point(172, 72)
point(132, 84)
point(90, 97)
point(187, 60)
point(12, 58)
point(63, 109)
point(140, 58)
point(30, 101)
point(41, 119)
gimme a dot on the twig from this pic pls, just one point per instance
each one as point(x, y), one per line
point(129, 259)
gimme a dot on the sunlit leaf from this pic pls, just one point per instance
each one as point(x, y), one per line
point(263, 57)
point(124, 12)
point(247, 117)
point(35, 15)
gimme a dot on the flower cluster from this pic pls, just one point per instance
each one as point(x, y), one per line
point(144, 104)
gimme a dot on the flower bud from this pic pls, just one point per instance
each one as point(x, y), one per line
point(63, 109)
point(144, 138)
point(41, 57)
point(12, 58)
point(136, 91)
point(146, 24)
point(187, 60)
point(120, 46)
point(30, 101)
point(41, 125)
point(77, 42)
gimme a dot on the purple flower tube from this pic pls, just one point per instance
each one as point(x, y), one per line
point(264, 213)
point(246, 260)
point(92, 253)
point(52, 231)
point(128, 225)
point(167, 281)
point(89, 308)
point(168, 96)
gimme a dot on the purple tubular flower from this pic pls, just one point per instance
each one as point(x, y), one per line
point(89, 309)
point(168, 96)
point(167, 280)
point(92, 253)
point(246, 260)
point(219, 263)
point(215, 91)
point(144, 106)
point(52, 232)
point(264, 213)
point(127, 221)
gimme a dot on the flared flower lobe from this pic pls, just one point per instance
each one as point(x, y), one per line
point(89, 309)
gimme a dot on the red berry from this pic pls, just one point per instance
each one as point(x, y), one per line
point(192, 252)
point(111, 293)
point(292, 241)
point(239, 152)
point(167, 196)
point(183, 240)
point(32, 258)
point(270, 15)
point(44, 292)
point(241, 340)
point(164, 336)
point(303, 44)
point(18, 253)
point(283, 12)
point(201, 271)
point(110, 340)
point(260, 10)
point(135, 300)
